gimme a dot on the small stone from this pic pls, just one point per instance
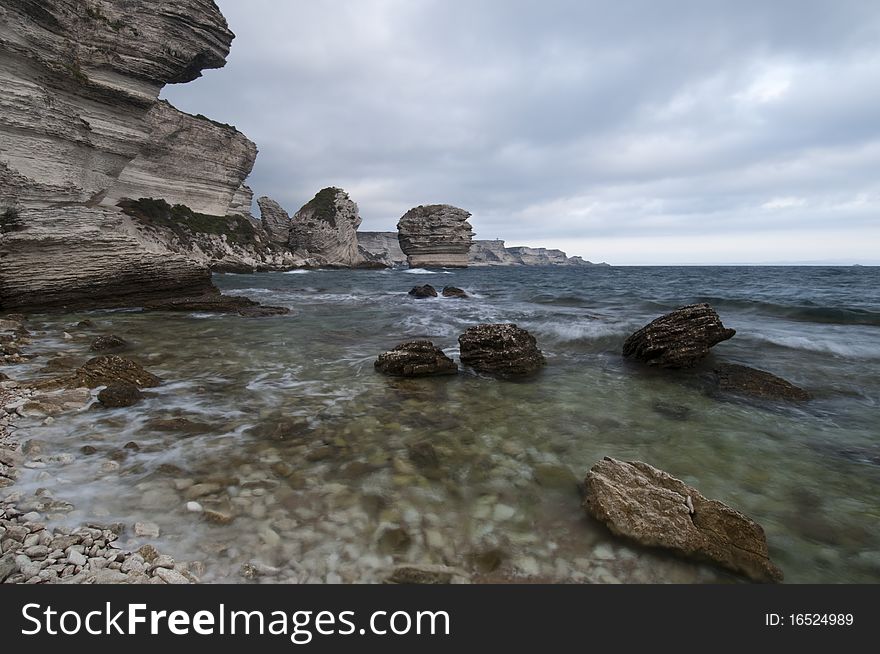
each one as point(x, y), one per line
point(111, 343)
point(171, 576)
point(218, 517)
point(149, 553)
point(424, 575)
point(194, 507)
point(76, 558)
point(162, 561)
point(453, 292)
point(146, 529)
point(422, 292)
point(119, 396)
point(503, 512)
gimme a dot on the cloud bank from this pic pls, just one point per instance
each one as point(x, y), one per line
point(631, 132)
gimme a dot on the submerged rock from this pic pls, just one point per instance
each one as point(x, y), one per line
point(325, 230)
point(218, 303)
point(436, 236)
point(415, 359)
point(501, 350)
point(453, 292)
point(413, 574)
point(117, 396)
point(743, 380)
point(423, 292)
point(638, 501)
point(105, 371)
point(109, 343)
point(679, 339)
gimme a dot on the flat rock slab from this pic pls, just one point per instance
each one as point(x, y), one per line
point(105, 371)
point(680, 339)
point(743, 380)
point(638, 501)
point(416, 359)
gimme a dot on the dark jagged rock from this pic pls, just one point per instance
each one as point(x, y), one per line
point(742, 380)
point(501, 350)
point(436, 236)
point(423, 292)
point(653, 508)
point(453, 292)
point(680, 339)
point(105, 371)
point(118, 396)
point(416, 359)
point(217, 303)
point(111, 343)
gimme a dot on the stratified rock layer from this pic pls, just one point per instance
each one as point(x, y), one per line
point(324, 231)
point(436, 236)
point(275, 221)
point(381, 248)
point(76, 257)
point(501, 350)
point(653, 508)
point(680, 339)
point(82, 129)
point(416, 359)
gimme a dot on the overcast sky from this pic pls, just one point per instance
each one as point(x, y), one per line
point(630, 132)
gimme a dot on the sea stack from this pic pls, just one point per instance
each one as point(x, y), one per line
point(324, 231)
point(275, 221)
point(436, 236)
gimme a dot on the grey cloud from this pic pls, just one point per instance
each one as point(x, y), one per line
point(673, 118)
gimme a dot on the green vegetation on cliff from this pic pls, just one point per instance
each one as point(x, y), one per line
point(186, 223)
point(323, 205)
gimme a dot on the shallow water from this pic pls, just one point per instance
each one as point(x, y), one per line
point(292, 434)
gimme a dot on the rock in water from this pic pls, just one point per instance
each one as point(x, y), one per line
point(453, 292)
point(325, 230)
point(742, 380)
point(679, 339)
point(117, 396)
point(416, 359)
point(275, 221)
point(105, 371)
point(109, 343)
point(216, 303)
point(501, 350)
point(640, 502)
point(423, 292)
point(436, 236)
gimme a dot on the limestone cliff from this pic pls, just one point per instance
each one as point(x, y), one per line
point(381, 248)
point(495, 253)
point(324, 231)
point(81, 129)
point(437, 235)
point(274, 220)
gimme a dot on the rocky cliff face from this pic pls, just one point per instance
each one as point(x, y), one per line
point(82, 129)
point(495, 253)
point(275, 221)
point(324, 231)
point(381, 248)
point(436, 236)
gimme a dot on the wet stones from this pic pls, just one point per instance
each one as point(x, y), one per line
point(111, 343)
point(106, 371)
point(680, 339)
point(415, 359)
point(426, 575)
point(504, 351)
point(118, 396)
point(640, 502)
point(454, 292)
point(217, 303)
point(423, 292)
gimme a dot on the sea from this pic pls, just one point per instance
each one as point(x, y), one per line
point(274, 453)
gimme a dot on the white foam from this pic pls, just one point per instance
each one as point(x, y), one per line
point(297, 272)
point(837, 348)
point(421, 271)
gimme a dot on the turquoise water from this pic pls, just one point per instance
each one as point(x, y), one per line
point(289, 433)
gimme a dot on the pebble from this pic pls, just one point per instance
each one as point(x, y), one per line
point(76, 558)
point(503, 512)
point(146, 529)
point(170, 576)
point(194, 507)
